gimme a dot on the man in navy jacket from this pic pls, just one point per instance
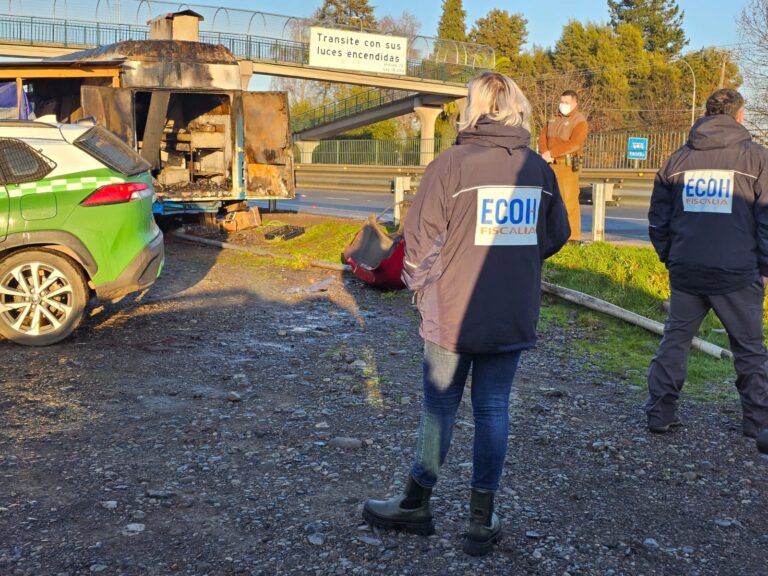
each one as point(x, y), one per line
point(709, 225)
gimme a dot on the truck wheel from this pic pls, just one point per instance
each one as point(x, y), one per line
point(43, 297)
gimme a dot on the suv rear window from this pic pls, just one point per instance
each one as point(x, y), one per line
point(109, 149)
point(20, 163)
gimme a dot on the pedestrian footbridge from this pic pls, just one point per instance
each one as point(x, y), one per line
point(436, 71)
point(270, 44)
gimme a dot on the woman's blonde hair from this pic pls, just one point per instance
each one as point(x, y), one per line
point(497, 96)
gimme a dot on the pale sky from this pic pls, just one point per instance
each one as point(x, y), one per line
point(706, 22)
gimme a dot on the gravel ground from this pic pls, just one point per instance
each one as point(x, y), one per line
point(234, 418)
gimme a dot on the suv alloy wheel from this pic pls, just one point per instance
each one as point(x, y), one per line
point(43, 297)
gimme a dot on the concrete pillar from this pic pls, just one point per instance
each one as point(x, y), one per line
point(427, 116)
point(461, 103)
point(306, 147)
point(246, 71)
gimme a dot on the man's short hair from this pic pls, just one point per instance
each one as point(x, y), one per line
point(725, 101)
point(572, 94)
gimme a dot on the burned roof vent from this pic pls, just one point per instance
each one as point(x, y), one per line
point(184, 25)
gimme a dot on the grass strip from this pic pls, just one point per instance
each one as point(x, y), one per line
point(628, 276)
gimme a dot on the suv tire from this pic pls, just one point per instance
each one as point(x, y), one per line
point(43, 297)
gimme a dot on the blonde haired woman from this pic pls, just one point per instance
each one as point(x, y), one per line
point(487, 213)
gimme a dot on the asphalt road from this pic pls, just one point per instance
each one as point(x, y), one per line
point(626, 223)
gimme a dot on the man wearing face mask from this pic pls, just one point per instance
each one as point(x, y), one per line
point(560, 143)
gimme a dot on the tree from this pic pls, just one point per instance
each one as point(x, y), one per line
point(711, 65)
point(661, 22)
point(351, 13)
point(754, 33)
point(405, 25)
point(594, 52)
point(452, 25)
point(504, 32)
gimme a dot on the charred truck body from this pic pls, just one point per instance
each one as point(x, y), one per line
point(181, 105)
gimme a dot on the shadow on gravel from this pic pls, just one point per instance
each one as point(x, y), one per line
point(156, 440)
point(235, 426)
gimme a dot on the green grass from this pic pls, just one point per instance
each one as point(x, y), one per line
point(623, 351)
point(323, 241)
point(630, 277)
point(633, 278)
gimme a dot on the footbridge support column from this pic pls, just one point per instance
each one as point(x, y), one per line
point(461, 104)
point(427, 116)
point(306, 147)
point(246, 72)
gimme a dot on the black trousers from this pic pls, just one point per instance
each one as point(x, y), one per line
point(741, 312)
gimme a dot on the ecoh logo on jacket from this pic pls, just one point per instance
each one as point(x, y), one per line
point(708, 191)
point(507, 215)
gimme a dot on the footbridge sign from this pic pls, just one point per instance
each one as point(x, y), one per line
point(359, 51)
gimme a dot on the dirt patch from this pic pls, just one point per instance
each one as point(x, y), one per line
point(191, 431)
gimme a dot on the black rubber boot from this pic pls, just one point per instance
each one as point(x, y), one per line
point(409, 512)
point(762, 442)
point(484, 525)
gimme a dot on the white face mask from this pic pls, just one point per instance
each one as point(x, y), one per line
point(564, 108)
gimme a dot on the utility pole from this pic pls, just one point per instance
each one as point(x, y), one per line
point(721, 85)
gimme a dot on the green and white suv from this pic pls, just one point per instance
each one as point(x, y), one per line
point(75, 221)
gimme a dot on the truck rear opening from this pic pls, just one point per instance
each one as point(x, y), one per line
point(195, 155)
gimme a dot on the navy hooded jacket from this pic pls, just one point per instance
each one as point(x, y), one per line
point(487, 213)
point(708, 219)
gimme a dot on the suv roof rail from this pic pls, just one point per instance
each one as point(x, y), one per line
point(26, 124)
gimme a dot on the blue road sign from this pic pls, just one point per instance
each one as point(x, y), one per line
point(637, 149)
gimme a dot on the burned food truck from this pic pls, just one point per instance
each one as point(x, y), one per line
point(181, 105)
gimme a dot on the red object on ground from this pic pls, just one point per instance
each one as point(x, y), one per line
point(376, 258)
point(386, 274)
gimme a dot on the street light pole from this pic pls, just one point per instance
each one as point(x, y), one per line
point(693, 98)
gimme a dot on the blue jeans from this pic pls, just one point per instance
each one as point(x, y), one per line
point(445, 374)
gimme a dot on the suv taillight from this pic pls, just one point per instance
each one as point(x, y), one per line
point(117, 194)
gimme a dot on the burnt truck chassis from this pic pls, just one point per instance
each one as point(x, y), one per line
point(181, 106)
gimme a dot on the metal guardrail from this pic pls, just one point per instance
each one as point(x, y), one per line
point(352, 178)
point(40, 31)
point(404, 152)
point(629, 185)
point(346, 107)
point(602, 151)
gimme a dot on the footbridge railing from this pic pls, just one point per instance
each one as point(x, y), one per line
point(347, 107)
point(81, 34)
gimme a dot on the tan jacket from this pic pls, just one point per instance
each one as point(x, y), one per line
point(564, 135)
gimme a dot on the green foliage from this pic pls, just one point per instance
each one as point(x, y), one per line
point(452, 25)
point(629, 75)
point(386, 129)
point(661, 22)
point(352, 13)
point(598, 52)
point(504, 32)
point(709, 64)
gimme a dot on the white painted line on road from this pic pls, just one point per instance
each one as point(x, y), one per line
point(628, 219)
point(336, 198)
